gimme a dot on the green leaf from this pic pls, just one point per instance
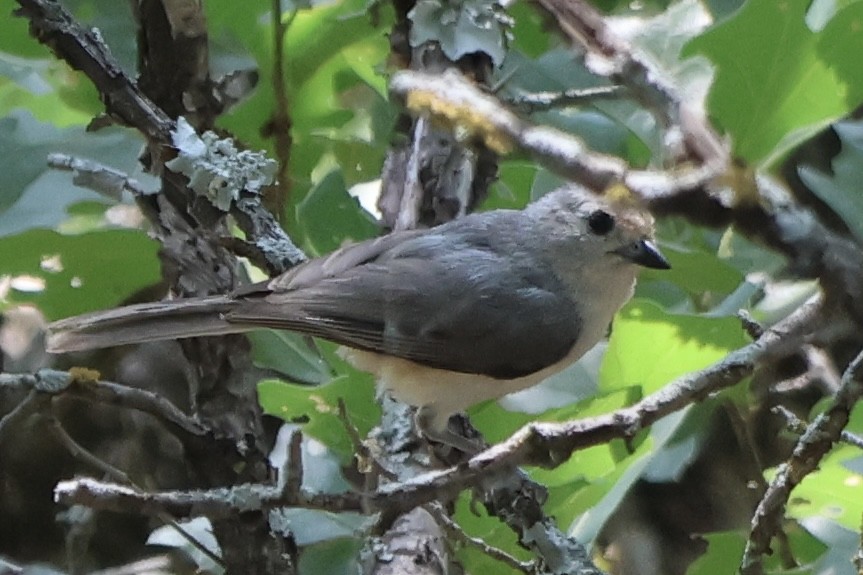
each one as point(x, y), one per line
point(33, 195)
point(599, 500)
point(477, 523)
point(126, 262)
point(48, 90)
point(333, 557)
point(460, 28)
point(841, 191)
point(311, 526)
point(529, 32)
point(820, 12)
point(512, 189)
point(832, 492)
point(291, 354)
point(698, 272)
point(618, 128)
point(341, 215)
point(319, 407)
point(650, 347)
point(724, 551)
point(777, 82)
point(181, 536)
point(497, 423)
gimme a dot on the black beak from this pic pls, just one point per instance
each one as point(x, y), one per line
point(644, 253)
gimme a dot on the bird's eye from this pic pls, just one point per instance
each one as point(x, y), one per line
point(600, 222)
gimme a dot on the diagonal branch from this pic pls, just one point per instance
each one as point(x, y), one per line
point(125, 102)
point(84, 50)
point(811, 448)
point(607, 54)
point(85, 385)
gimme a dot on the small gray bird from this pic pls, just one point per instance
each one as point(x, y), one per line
point(474, 309)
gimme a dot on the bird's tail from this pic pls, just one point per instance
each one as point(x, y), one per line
point(193, 317)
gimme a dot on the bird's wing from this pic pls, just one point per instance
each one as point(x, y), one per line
point(467, 309)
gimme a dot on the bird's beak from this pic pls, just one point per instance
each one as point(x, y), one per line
point(644, 253)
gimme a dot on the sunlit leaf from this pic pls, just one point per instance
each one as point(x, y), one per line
point(650, 347)
point(79, 283)
point(777, 81)
point(317, 408)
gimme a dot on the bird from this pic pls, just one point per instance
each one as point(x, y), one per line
point(445, 317)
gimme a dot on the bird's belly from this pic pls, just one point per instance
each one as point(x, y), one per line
point(447, 392)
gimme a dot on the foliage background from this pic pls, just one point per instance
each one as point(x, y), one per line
point(781, 79)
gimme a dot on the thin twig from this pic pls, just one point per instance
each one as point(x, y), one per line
point(811, 448)
point(454, 531)
point(95, 176)
point(32, 403)
point(87, 457)
point(799, 426)
point(750, 324)
point(749, 449)
point(820, 371)
point(85, 385)
point(368, 464)
point(540, 101)
point(279, 126)
point(214, 503)
point(606, 53)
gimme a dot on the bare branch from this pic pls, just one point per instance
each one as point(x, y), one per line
point(85, 385)
point(607, 54)
point(455, 532)
point(125, 102)
point(84, 50)
point(452, 98)
point(539, 101)
point(799, 426)
point(812, 446)
point(95, 176)
point(214, 503)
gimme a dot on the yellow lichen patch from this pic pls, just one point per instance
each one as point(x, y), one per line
point(84, 375)
point(460, 117)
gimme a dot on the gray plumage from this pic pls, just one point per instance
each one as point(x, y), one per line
point(477, 307)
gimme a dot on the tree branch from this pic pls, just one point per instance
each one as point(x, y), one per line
point(217, 503)
point(84, 50)
point(811, 448)
point(85, 385)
